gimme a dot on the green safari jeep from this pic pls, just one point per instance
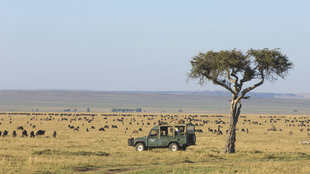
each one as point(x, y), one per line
point(175, 137)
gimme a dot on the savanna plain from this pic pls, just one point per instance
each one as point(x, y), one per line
point(265, 144)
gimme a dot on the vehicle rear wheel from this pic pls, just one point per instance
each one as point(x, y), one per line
point(192, 139)
point(173, 147)
point(140, 147)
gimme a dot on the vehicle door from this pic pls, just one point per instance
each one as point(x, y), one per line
point(153, 138)
point(164, 136)
point(180, 135)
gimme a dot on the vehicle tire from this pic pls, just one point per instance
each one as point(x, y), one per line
point(140, 147)
point(183, 148)
point(192, 139)
point(174, 147)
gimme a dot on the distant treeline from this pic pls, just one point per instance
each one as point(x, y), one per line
point(126, 110)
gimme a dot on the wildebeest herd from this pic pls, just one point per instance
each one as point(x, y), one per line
point(35, 123)
point(24, 133)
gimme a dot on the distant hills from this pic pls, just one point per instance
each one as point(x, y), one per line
point(149, 101)
point(204, 92)
point(225, 93)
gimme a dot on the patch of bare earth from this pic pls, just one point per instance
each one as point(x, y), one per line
point(108, 171)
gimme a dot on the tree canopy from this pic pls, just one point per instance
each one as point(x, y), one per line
point(232, 68)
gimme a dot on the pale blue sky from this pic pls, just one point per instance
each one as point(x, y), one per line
point(142, 45)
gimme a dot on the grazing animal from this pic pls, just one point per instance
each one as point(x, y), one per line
point(54, 134)
point(5, 133)
point(24, 133)
point(14, 133)
point(20, 128)
point(32, 134)
point(101, 129)
point(40, 132)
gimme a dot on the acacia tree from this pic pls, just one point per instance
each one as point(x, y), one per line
point(239, 73)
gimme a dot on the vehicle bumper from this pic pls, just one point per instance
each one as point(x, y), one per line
point(131, 142)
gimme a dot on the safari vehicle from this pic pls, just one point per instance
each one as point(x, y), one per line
point(174, 136)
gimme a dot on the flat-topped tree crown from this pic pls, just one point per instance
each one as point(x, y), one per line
point(231, 69)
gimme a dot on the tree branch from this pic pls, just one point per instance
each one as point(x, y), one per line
point(234, 75)
point(237, 86)
point(246, 90)
point(229, 78)
point(221, 84)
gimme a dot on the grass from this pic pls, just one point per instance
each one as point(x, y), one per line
point(258, 151)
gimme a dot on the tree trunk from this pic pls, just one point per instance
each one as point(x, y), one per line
point(231, 136)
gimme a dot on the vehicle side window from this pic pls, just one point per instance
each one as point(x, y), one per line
point(154, 133)
point(163, 131)
point(177, 130)
point(170, 133)
point(182, 129)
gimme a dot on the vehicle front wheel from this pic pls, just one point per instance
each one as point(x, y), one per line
point(140, 147)
point(173, 147)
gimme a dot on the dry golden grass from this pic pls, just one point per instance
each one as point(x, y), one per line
point(259, 151)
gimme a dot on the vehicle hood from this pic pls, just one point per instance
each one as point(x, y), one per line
point(140, 138)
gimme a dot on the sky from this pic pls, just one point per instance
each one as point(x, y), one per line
point(143, 45)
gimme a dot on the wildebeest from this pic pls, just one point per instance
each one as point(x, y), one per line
point(101, 129)
point(14, 133)
point(32, 134)
point(20, 128)
point(24, 133)
point(199, 130)
point(5, 133)
point(54, 134)
point(40, 132)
